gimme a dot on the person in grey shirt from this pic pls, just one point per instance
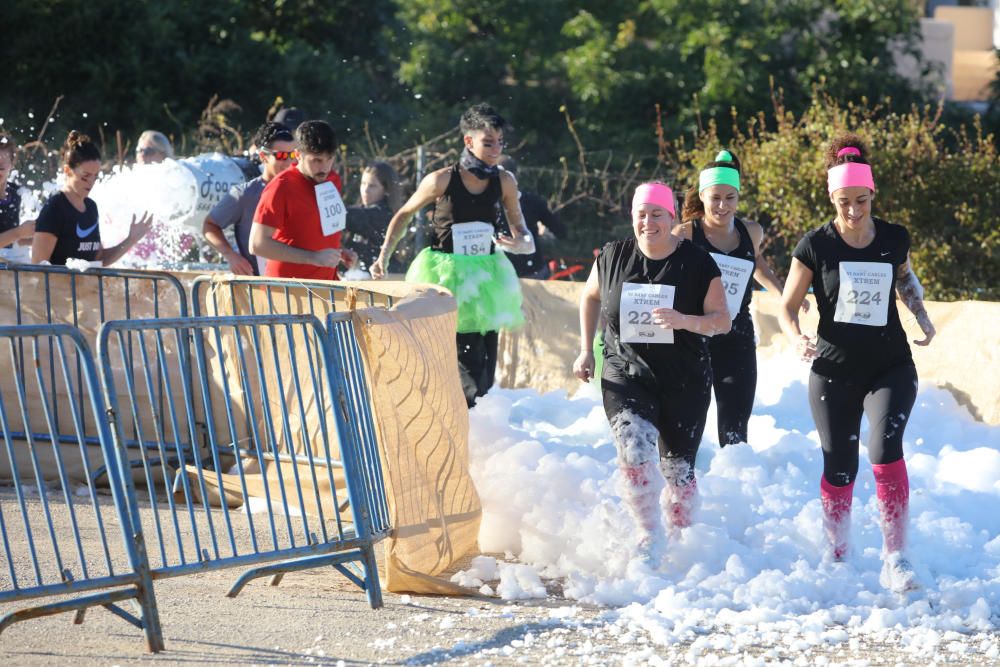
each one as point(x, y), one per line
point(276, 147)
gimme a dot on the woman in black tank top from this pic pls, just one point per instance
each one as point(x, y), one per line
point(464, 252)
point(659, 297)
point(861, 364)
point(711, 223)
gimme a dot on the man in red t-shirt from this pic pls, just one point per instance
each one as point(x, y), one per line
point(300, 216)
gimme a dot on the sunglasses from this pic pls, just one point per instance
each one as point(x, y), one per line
point(147, 151)
point(281, 155)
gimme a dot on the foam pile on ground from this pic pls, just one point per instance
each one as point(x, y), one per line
point(752, 564)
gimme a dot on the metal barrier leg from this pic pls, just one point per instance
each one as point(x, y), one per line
point(101, 599)
point(284, 567)
point(372, 586)
point(150, 613)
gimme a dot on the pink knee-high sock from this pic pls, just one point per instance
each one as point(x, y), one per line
point(680, 494)
point(642, 492)
point(681, 505)
point(836, 515)
point(893, 489)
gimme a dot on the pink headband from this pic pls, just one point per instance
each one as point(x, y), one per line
point(848, 175)
point(654, 193)
point(849, 150)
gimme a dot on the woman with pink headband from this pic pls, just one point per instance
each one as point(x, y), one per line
point(861, 362)
point(660, 297)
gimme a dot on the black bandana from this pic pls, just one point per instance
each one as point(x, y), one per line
point(478, 168)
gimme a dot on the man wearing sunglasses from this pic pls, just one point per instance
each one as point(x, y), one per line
point(301, 217)
point(152, 148)
point(275, 147)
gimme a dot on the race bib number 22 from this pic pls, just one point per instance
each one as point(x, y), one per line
point(635, 313)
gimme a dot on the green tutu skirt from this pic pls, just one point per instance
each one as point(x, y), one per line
point(485, 286)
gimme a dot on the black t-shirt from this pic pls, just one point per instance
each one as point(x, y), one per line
point(77, 234)
point(859, 347)
point(743, 322)
point(10, 208)
point(690, 270)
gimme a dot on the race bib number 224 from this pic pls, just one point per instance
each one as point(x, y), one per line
point(865, 291)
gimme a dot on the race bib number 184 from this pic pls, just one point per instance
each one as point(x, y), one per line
point(471, 238)
point(864, 293)
point(635, 313)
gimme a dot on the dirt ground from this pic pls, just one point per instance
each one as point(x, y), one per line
point(317, 617)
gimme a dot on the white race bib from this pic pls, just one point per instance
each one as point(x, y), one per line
point(332, 212)
point(471, 238)
point(736, 274)
point(635, 313)
point(864, 293)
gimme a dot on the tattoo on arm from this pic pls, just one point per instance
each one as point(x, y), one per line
point(910, 290)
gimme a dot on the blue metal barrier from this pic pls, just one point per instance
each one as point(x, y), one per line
point(269, 296)
point(357, 411)
point(48, 520)
point(85, 300)
point(286, 478)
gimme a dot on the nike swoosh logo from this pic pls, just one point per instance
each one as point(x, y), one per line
point(84, 233)
point(886, 253)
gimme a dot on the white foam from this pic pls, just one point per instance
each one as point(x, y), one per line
point(752, 564)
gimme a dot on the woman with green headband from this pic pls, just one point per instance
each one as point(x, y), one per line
point(710, 222)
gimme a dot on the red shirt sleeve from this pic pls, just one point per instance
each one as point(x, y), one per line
point(271, 207)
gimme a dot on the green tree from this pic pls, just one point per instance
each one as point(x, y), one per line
point(611, 64)
point(128, 66)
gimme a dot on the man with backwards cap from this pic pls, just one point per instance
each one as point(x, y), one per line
point(661, 296)
point(300, 216)
point(275, 147)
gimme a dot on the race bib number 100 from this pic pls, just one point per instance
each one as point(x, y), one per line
point(471, 238)
point(635, 313)
point(864, 293)
point(332, 212)
point(736, 274)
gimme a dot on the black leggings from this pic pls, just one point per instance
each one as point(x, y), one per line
point(837, 406)
point(676, 408)
point(734, 378)
point(477, 363)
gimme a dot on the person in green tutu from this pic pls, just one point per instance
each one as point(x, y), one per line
point(465, 238)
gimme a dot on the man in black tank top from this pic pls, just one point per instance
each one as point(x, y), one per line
point(465, 238)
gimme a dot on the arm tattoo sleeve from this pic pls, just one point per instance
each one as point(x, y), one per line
point(911, 291)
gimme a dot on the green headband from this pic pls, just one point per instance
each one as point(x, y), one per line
point(720, 175)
